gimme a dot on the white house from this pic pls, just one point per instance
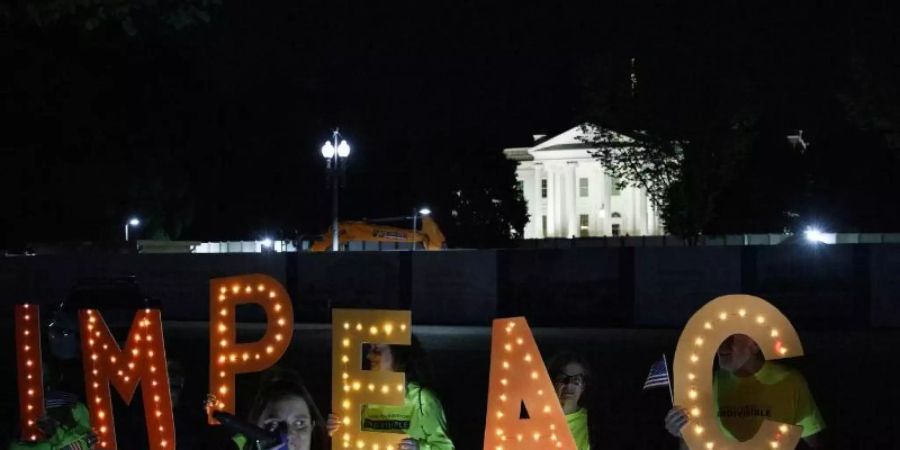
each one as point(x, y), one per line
point(569, 194)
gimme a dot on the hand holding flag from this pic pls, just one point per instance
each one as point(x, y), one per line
point(659, 377)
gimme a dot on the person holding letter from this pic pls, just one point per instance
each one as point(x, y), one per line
point(421, 416)
point(749, 389)
point(284, 405)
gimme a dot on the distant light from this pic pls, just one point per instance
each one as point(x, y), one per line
point(814, 235)
point(267, 242)
point(328, 150)
point(343, 149)
point(424, 211)
point(134, 222)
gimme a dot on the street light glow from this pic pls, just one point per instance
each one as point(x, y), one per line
point(424, 211)
point(343, 149)
point(328, 150)
point(813, 235)
point(134, 222)
point(266, 242)
point(816, 236)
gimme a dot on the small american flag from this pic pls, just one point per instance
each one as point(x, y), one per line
point(659, 374)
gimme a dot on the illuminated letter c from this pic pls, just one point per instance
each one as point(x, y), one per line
point(709, 327)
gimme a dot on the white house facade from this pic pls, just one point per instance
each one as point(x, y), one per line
point(569, 194)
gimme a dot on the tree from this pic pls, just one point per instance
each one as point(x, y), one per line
point(91, 14)
point(647, 136)
point(487, 207)
point(641, 161)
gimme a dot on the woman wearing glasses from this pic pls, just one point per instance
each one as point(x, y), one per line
point(284, 404)
point(571, 379)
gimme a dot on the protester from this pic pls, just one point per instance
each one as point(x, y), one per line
point(423, 416)
point(749, 389)
point(66, 422)
point(283, 403)
point(571, 376)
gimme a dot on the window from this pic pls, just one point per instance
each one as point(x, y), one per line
point(584, 228)
point(520, 186)
point(615, 187)
point(544, 226)
point(544, 188)
point(616, 215)
point(582, 187)
point(616, 229)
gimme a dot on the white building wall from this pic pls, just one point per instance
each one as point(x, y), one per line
point(563, 161)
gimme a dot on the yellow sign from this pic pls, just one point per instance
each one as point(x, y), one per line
point(353, 388)
point(693, 368)
point(142, 361)
point(518, 376)
point(227, 357)
point(30, 370)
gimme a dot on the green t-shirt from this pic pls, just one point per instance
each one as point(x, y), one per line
point(578, 425)
point(75, 435)
point(421, 417)
point(775, 392)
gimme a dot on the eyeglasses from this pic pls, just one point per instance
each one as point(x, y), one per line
point(577, 379)
point(298, 426)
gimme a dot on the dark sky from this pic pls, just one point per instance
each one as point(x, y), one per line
point(214, 130)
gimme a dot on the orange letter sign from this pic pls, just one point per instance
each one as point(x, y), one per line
point(693, 368)
point(226, 356)
point(28, 355)
point(518, 377)
point(142, 360)
point(352, 387)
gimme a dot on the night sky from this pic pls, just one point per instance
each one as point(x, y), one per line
point(212, 130)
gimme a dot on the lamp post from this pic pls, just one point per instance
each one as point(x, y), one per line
point(335, 155)
point(423, 212)
point(131, 222)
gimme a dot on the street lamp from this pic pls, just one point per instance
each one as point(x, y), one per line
point(422, 212)
point(335, 155)
point(133, 222)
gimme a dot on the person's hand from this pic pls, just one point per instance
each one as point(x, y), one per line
point(92, 440)
point(89, 441)
point(676, 419)
point(333, 423)
point(47, 425)
point(409, 444)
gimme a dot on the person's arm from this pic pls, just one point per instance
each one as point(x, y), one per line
point(20, 445)
point(676, 419)
point(815, 442)
point(809, 417)
point(433, 423)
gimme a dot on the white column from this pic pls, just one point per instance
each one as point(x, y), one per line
point(602, 202)
point(537, 207)
point(635, 212)
point(571, 193)
point(561, 217)
point(551, 201)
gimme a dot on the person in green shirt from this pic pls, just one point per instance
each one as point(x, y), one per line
point(749, 389)
point(571, 374)
point(66, 423)
point(66, 426)
point(421, 417)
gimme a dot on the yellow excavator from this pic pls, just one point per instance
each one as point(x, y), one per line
point(429, 237)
